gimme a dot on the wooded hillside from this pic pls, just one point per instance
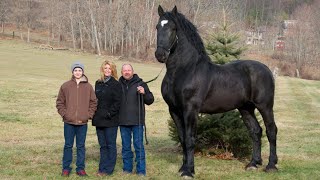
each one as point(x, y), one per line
point(127, 27)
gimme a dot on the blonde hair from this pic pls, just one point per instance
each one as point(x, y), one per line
point(113, 68)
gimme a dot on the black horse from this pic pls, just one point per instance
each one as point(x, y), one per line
point(193, 84)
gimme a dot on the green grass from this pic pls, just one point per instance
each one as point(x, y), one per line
point(31, 130)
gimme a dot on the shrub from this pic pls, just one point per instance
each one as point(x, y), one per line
point(287, 69)
point(310, 72)
point(219, 133)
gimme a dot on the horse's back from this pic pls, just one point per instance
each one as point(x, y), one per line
point(234, 84)
point(261, 79)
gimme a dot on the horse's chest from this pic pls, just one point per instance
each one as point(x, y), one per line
point(173, 92)
point(168, 92)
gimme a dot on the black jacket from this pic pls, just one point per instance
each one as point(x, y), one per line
point(129, 109)
point(109, 98)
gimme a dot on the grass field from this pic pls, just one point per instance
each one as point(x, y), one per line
point(31, 131)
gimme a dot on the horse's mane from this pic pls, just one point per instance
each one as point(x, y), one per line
point(189, 30)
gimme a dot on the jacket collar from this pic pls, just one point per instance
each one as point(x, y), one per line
point(83, 79)
point(135, 78)
point(110, 80)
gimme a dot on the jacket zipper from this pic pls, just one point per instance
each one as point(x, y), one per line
point(77, 103)
point(127, 95)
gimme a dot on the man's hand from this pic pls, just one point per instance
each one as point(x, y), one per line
point(140, 90)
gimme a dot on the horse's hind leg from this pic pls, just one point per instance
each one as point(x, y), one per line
point(250, 120)
point(271, 129)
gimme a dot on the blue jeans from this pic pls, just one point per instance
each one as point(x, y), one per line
point(127, 154)
point(107, 138)
point(80, 132)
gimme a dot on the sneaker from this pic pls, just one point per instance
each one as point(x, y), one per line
point(82, 173)
point(65, 173)
point(141, 174)
point(126, 173)
point(101, 174)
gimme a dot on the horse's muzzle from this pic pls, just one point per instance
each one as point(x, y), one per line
point(161, 55)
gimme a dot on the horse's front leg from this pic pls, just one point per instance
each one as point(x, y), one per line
point(190, 122)
point(178, 120)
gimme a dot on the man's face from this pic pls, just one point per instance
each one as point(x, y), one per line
point(127, 72)
point(77, 73)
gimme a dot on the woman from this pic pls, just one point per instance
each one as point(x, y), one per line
point(106, 118)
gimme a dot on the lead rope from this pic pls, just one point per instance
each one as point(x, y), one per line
point(141, 99)
point(145, 127)
point(156, 76)
point(140, 104)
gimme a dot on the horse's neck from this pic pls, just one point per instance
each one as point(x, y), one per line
point(184, 58)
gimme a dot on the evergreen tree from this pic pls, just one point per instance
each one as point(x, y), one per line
point(223, 45)
point(219, 133)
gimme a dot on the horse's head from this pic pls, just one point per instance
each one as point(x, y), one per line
point(166, 35)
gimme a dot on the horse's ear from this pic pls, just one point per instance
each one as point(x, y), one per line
point(160, 11)
point(174, 10)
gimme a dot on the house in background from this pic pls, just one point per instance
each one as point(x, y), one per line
point(255, 36)
point(286, 28)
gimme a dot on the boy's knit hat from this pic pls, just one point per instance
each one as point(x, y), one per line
point(77, 65)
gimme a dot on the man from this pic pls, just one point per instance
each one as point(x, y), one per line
point(132, 118)
point(76, 103)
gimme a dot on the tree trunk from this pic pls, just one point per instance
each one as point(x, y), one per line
point(116, 43)
point(196, 13)
point(100, 40)
point(137, 44)
point(2, 26)
point(80, 27)
point(28, 40)
point(151, 28)
point(59, 35)
point(81, 36)
point(95, 32)
point(122, 43)
point(110, 43)
point(72, 28)
point(105, 38)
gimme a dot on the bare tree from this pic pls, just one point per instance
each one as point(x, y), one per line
point(300, 37)
point(32, 12)
point(18, 15)
point(71, 24)
point(5, 9)
point(80, 24)
point(127, 27)
point(92, 6)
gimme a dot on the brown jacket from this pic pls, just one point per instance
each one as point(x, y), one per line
point(76, 103)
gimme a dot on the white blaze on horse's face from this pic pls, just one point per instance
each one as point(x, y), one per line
point(163, 22)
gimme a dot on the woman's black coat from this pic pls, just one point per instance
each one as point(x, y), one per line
point(109, 99)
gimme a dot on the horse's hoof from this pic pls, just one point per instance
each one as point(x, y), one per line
point(187, 175)
point(270, 169)
point(251, 168)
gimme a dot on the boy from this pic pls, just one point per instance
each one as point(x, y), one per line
point(76, 103)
